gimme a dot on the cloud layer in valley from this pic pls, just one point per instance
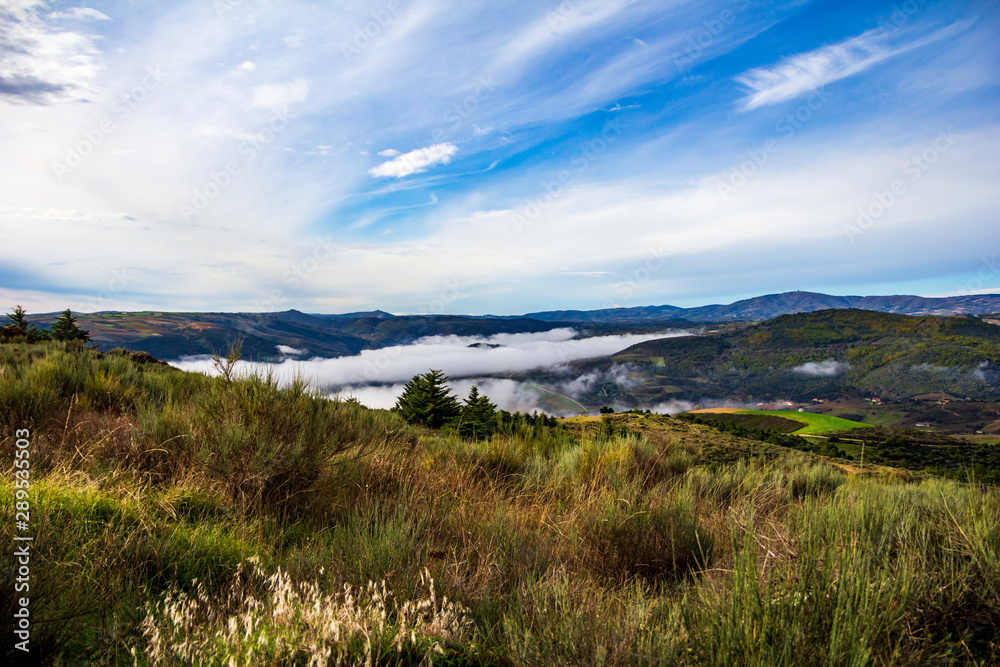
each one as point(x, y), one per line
point(377, 376)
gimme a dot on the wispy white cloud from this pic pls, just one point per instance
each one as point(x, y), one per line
point(804, 72)
point(555, 27)
point(415, 162)
point(80, 14)
point(21, 5)
point(42, 64)
point(799, 74)
point(280, 97)
point(654, 188)
point(689, 224)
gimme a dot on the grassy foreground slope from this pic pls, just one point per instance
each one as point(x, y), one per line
point(180, 519)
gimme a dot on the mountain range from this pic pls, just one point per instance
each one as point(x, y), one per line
point(774, 305)
point(271, 336)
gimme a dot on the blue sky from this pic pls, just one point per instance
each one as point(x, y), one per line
point(493, 157)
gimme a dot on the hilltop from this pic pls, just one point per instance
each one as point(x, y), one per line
point(173, 335)
point(834, 353)
point(826, 355)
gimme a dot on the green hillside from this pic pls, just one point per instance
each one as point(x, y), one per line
point(832, 353)
point(814, 423)
point(178, 519)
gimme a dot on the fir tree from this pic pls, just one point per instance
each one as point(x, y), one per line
point(426, 400)
point(18, 319)
point(66, 328)
point(479, 416)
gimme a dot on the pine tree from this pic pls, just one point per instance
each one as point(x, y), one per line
point(18, 319)
point(426, 400)
point(478, 416)
point(66, 328)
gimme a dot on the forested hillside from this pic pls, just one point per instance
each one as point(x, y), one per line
point(832, 353)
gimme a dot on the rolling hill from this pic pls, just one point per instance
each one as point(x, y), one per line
point(830, 353)
point(173, 335)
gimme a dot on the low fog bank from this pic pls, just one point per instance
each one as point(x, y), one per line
point(677, 407)
point(982, 372)
point(827, 368)
point(456, 356)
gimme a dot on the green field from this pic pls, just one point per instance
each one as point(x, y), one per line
point(878, 417)
point(815, 423)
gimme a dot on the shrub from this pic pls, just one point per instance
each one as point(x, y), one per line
point(270, 445)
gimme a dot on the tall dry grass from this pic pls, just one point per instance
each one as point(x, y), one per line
point(182, 519)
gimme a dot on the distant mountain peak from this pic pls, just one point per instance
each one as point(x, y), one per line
point(768, 306)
